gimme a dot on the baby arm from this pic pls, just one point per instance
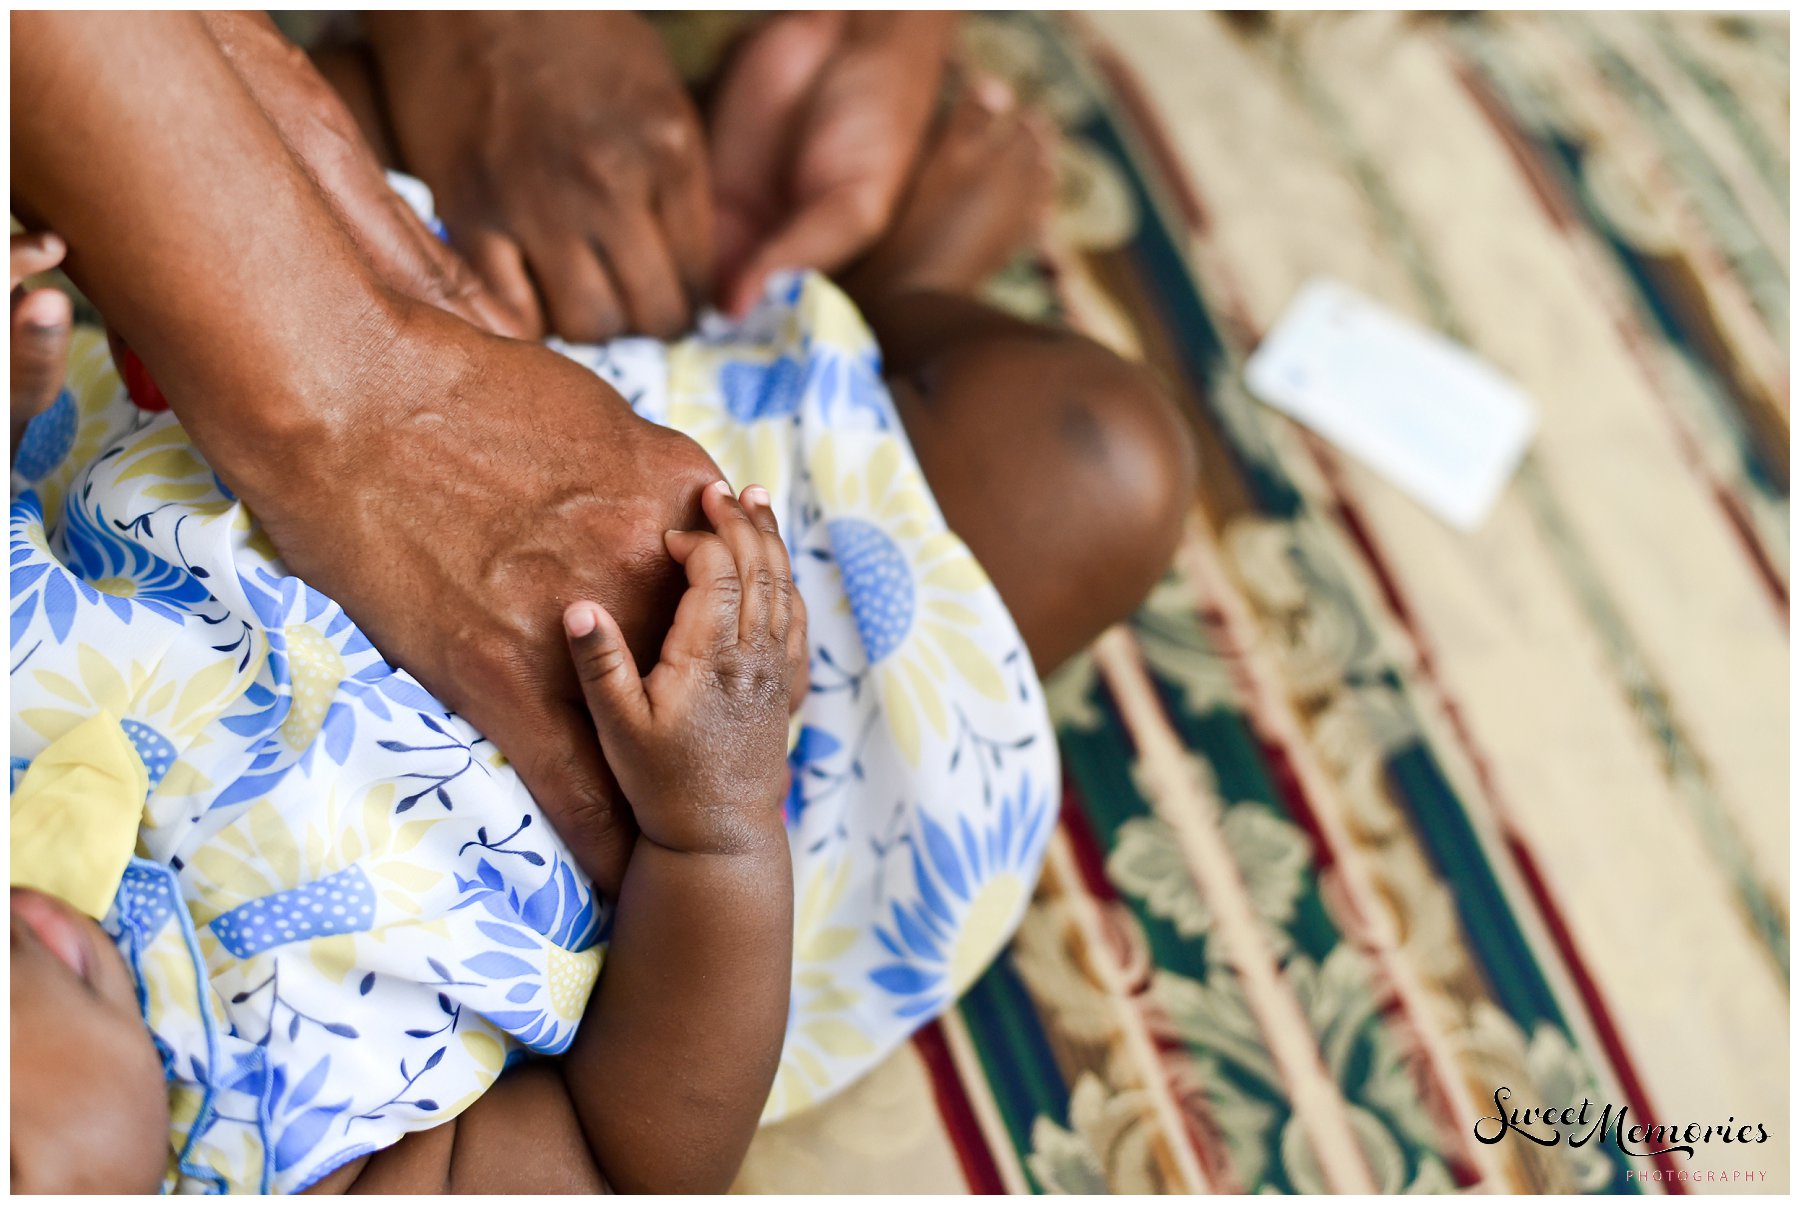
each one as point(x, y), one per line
point(676, 1055)
point(663, 1086)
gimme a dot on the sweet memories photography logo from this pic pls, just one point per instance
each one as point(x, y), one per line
point(1549, 1126)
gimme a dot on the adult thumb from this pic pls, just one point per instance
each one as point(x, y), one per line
point(825, 236)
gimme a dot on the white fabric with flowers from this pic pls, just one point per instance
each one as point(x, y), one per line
point(346, 915)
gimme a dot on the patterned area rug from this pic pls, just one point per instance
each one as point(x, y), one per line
point(1365, 818)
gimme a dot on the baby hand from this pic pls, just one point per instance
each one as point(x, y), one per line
point(699, 746)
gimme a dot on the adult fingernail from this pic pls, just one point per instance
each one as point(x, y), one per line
point(581, 621)
point(757, 494)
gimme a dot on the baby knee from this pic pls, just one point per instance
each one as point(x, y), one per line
point(1135, 455)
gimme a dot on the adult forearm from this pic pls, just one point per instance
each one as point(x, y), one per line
point(191, 227)
point(678, 1050)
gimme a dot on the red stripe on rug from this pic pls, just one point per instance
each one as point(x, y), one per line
point(1090, 860)
point(960, 1122)
point(1588, 991)
point(1591, 998)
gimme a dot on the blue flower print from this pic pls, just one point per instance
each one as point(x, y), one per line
point(125, 572)
point(758, 391)
point(48, 439)
point(971, 886)
point(877, 580)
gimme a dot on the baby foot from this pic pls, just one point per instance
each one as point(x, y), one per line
point(982, 188)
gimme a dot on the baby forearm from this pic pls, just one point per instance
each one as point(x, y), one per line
point(681, 1040)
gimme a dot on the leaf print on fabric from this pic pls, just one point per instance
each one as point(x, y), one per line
point(1559, 1074)
point(1215, 1018)
point(1245, 1120)
point(1176, 648)
point(1147, 863)
point(1069, 692)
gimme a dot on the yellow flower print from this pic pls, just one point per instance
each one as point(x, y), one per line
point(819, 1033)
point(166, 710)
point(912, 587)
point(86, 416)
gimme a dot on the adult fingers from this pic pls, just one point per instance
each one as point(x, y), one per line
point(758, 101)
point(684, 211)
point(464, 293)
point(580, 300)
point(644, 269)
point(499, 262)
point(827, 234)
point(40, 345)
point(34, 253)
point(608, 675)
point(730, 520)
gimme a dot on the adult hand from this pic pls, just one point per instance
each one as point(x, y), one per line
point(815, 128)
point(479, 487)
point(323, 136)
point(562, 149)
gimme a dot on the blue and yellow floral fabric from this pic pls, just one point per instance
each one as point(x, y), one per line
point(346, 915)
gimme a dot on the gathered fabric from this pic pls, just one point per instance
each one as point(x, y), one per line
point(345, 914)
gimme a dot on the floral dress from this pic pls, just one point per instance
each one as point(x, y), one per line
point(346, 915)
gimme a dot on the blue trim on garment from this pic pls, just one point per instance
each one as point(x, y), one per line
point(133, 951)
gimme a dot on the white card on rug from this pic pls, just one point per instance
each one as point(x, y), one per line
point(1440, 423)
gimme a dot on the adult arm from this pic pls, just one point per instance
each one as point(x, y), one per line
point(451, 489)
point(319, 130)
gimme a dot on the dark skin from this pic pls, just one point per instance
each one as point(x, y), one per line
point(88, 1109)
point(965, 377)
point(318, 129)
point(179, 202)
point(1054, 414)
point(41, 323)
point(816, 128)
point(570, 166)
point(661, 1090)
point(566, 160)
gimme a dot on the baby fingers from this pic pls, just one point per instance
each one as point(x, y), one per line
point(707, 618)
point(756, 578)
point(761, 510)
point(609, 677)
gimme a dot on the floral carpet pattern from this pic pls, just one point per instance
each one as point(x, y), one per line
point(1363, 818)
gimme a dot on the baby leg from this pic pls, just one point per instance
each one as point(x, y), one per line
point(1065, 468)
